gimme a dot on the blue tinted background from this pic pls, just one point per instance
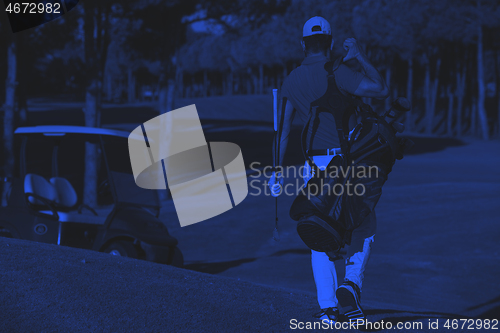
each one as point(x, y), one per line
point(116, 64)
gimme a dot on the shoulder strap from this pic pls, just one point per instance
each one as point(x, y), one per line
point(332, 66)
point(333, 101)
point(341, 117)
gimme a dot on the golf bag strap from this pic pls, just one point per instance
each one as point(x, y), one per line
point(334, 102)
point(340, 117)
point(303, 136)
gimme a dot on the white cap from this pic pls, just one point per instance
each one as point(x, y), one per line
point(316, 26)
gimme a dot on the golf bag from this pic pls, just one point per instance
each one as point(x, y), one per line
point(326, 211)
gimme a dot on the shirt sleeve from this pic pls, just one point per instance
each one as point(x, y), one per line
point(347, 79)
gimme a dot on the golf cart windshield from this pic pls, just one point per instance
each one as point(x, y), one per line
point(120, 170)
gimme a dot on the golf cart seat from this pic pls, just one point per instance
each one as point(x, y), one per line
point(38, 190)
point(66, 194)
point(60, 196)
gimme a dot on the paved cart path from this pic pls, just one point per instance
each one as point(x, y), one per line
point(436, 248)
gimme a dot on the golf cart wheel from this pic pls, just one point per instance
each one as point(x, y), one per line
point(5, 233)
point(122, 249)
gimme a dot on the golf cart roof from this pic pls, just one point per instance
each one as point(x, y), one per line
point(63, 129)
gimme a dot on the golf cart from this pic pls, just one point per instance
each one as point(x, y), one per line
point(44, 202)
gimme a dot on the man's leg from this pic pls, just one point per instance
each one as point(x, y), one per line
point(358, 253)
point(325, 275)
point(325, 278)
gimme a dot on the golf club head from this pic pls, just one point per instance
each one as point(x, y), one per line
point(398, 127)
point(401, 104)
point(405, 145)
point(276, 235)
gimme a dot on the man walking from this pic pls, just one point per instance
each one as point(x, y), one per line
point(305, 84)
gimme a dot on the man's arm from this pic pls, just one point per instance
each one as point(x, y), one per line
point(372, 85)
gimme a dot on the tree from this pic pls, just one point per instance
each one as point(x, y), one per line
point(159, 33)
point(96, 41)
point(99, 17)
point(8, 111)
point(249, 35)
point(465, 21)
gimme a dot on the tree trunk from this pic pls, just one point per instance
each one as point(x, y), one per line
point(167, 88)
point(22, 103)
point(23, 77)
point(230, 82)
point(162, 98)
point(449, 127)
point(497, 60)
point(248, 81)
point(238, 84)
point(90, 175)
point(8, 117)
point(460, 99)
point(473, 117)
point(131, 85)
point(108, 84)
point(230, 76)
point(480, 86)
point(180, 82)
point(388, 83)
point(255, 81)
point(96, 42)
point(467, 115)
point(435, 89)
point(409, 91)
point(205, 83)
point(432, 89)
point(261, 79)
point(427, 92)
point(190, 88)
point(170, 95)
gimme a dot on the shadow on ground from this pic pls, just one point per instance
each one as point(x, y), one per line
point(491, 313)
point(406, 317)
point(427, 317)
point(219, 267)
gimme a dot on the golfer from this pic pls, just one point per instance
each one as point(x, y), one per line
point(305, 84)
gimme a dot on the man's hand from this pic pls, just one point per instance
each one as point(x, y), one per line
point(276, 184)
point(372, 85)
point(352, 48)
